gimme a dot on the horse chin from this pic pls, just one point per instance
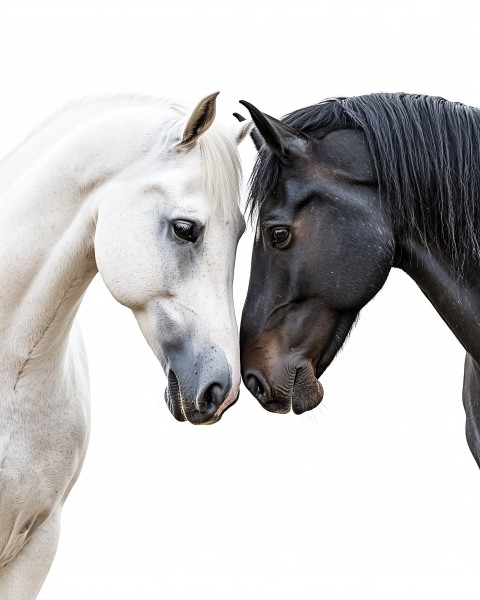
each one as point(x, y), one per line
point(280, 407)
point(307, 390)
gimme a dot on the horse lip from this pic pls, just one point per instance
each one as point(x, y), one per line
point(173, 397)
point(227, 403)
point(280, 407)
point(307, 391)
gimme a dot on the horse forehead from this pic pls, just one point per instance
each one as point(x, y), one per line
point(170, 177)
point(180, 166)
point(176, 183)
point(343, 153)
point(187, 197)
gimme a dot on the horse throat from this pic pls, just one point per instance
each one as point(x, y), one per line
point(48, 262)
point(456, 297)
point(51, 303)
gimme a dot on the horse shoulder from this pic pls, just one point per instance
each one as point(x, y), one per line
point(43, 441)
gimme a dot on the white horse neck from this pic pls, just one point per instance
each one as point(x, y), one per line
point(47, 219)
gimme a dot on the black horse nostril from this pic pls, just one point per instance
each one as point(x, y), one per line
point(211, 399)
point(255, 387)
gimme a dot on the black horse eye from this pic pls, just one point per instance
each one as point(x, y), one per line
point(185, 230)
point(280, 236)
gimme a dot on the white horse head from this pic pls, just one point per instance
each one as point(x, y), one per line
point(165, 243)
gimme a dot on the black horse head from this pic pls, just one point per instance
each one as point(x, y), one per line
point(342, 191)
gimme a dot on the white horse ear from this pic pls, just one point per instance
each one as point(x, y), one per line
point(200, 120)
point(241, 130)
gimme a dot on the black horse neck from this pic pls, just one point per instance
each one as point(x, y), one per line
point(457, 299)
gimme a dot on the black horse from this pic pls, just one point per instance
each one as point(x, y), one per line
point(344, 191)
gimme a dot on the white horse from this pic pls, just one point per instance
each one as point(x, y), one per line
point(136, 189)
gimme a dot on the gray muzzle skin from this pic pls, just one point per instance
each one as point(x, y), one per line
point(199, 383)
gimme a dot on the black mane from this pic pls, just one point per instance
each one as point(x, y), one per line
point(426, 154)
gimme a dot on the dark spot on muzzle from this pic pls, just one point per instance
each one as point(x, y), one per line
point(259, 388)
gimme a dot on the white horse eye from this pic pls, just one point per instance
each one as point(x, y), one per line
point(185, 230)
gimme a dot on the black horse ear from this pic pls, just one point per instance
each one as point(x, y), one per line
point(256, 137)
point(279, 137)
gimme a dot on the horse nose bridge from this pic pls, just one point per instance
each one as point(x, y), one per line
point(253, 330)
point(258, 347)
point(214, 367)
point(222, 321)
point(199, 365)
point(258, 304)
point(223, 334)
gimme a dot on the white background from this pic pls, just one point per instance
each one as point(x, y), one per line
point(374, 494)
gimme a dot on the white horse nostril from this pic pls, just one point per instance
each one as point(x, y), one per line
point(216, 394)
point(211, 399)
point(202, 405)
